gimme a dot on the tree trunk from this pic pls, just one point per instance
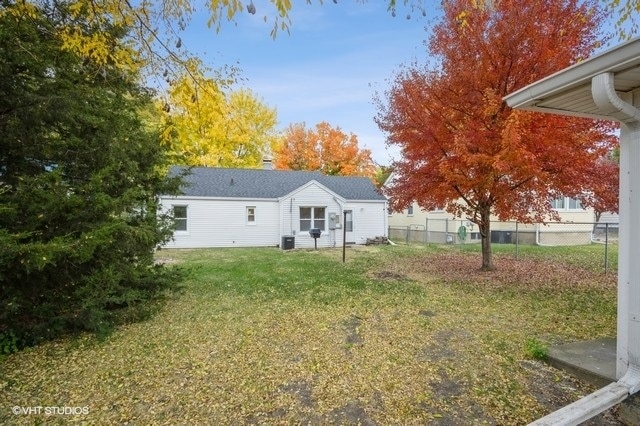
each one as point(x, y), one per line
point(485, 234)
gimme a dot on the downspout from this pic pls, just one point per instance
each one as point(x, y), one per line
point(335, 238)
point(628, 346)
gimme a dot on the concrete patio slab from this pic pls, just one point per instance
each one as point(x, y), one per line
point(593, 361)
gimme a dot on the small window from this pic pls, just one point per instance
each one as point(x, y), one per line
point(575, 204)
point(312, 217)
point(566, 203)
point(410, 210)
point(558, 203)
point(251, 215)
point(180, 218)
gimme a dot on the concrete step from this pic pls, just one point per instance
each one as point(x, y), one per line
point(593, 361)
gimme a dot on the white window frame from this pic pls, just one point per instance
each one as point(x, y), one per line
point(313, 221)
point(184, 219)
point(563, 203)
point(251, 215)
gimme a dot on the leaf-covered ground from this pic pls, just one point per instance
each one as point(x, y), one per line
point(397, 335)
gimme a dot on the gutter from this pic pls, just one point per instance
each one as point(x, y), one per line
point(612, 60)
point(609, 103)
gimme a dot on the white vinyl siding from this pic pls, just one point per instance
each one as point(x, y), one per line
point(223, 223)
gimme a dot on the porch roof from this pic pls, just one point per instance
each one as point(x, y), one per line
point(568, 92)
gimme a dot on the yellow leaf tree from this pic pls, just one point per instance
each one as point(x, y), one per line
point(208, 126)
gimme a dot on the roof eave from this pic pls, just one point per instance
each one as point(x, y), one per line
point(579, 75)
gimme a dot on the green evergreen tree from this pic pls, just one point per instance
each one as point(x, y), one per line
point(79, 182)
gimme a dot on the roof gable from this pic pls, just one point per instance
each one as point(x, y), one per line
point(309, 184)
point(268, 184)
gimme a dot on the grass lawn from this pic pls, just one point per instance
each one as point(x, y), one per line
point(397, 335)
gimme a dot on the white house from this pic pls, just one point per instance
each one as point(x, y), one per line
point(221, 207)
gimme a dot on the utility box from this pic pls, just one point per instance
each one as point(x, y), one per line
point(501, 237)
point(334, 220)
point(288, 242)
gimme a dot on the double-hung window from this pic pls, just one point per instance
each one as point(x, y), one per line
point(312, 217)
point(180, 218)
point(251, 215)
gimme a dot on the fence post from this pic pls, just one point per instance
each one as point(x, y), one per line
point(426, 231)
point(517, 235)
point(446, 231)
point(408, 232)
point(606, 248)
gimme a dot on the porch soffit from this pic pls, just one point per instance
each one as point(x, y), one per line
point(568, 92)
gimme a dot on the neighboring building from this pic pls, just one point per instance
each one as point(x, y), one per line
point(257, 208)
point(576, 226)
point(439, 226)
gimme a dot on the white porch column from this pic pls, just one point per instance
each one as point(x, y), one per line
point(624, 107)
point(628, 349)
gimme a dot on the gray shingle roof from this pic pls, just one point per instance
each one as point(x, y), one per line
point(259, 183)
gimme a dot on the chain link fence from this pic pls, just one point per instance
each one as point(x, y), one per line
point(513, 235)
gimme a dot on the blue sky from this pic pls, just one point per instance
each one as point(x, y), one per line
point(330, 64)
point(335, 57)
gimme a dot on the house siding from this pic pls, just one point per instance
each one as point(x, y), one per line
point(311, 195)
point(223, 223)
point(217, 200)
point(369, 218)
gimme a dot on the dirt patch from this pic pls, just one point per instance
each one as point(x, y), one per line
point(302, 392)
point(554, 390)
point(439, 348)
point(350, 414)
point(352, 330)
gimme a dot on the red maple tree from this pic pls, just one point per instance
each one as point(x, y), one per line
point(324, 148)
point(463, 148)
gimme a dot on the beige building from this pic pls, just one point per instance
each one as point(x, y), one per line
point(575, 227)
